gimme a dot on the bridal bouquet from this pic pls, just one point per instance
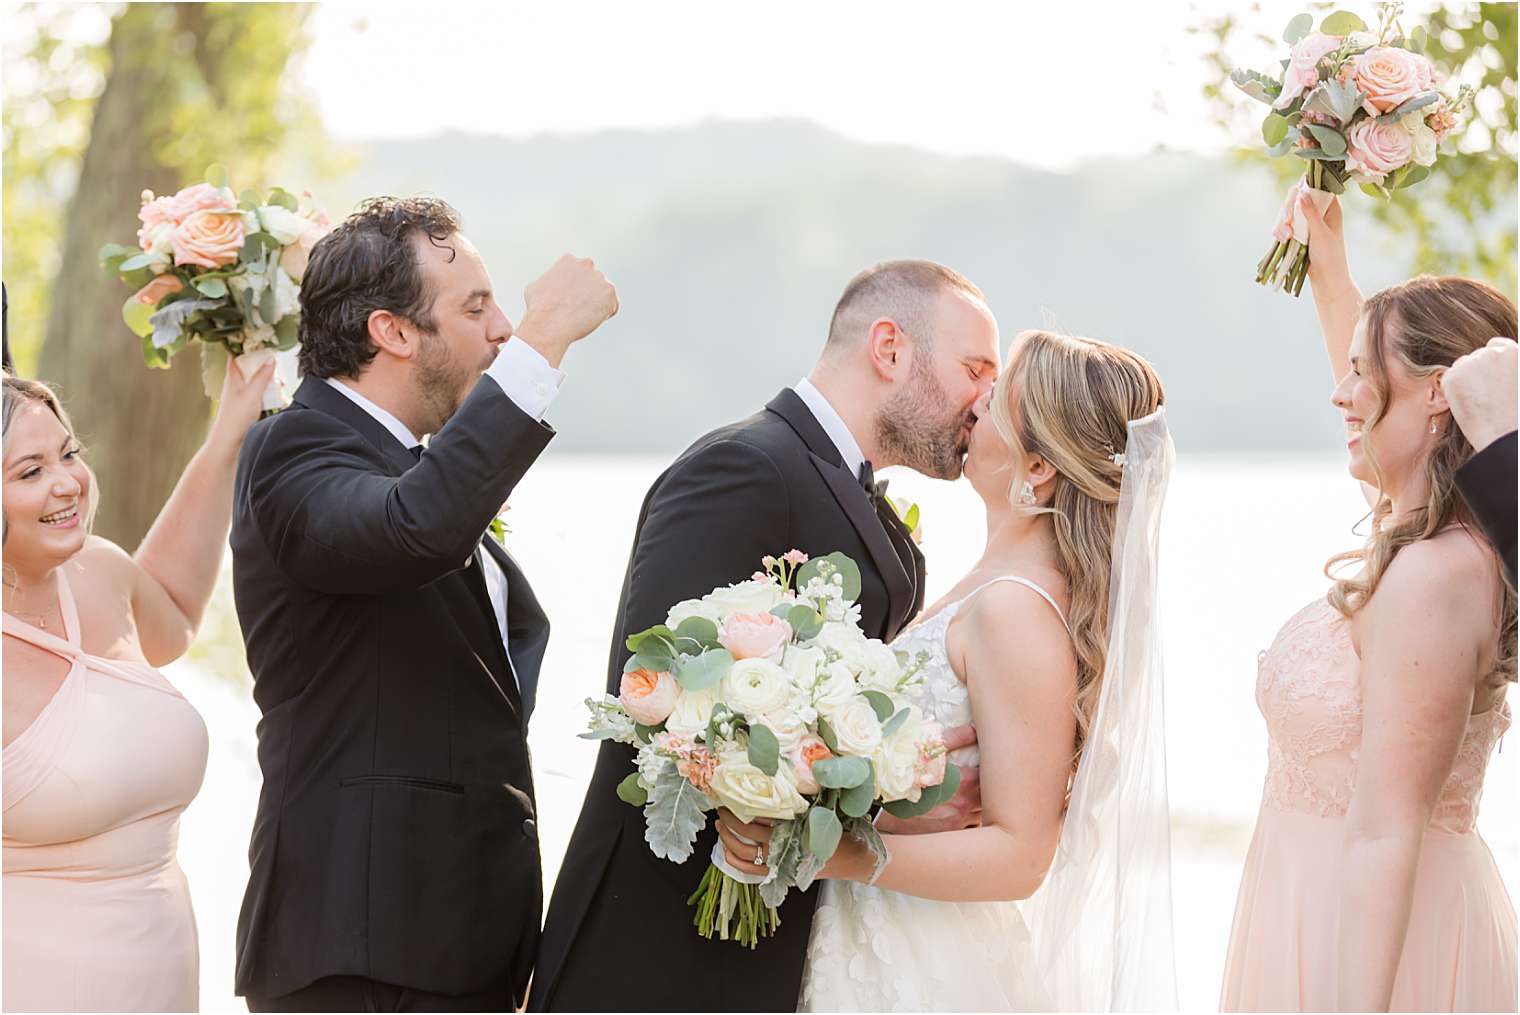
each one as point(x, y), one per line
point(220, 269)
point(765, 697)
point(1358, 106)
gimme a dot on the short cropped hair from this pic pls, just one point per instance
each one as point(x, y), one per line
point(905, 291)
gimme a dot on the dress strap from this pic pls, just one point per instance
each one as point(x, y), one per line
point(69, 645)
point(1032, 586)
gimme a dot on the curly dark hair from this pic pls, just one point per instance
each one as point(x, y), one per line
point(366, 264)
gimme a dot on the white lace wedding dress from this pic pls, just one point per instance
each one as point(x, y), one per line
point(877, 950)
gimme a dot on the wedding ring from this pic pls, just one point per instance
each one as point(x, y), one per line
point(759, 855)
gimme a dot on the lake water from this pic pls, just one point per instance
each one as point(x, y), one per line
point(1244, 544)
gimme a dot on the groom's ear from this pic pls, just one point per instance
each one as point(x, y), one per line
point(887, 348)
point(392, 334)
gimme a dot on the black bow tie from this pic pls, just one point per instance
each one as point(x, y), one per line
point(876, 491)
point(416, 452)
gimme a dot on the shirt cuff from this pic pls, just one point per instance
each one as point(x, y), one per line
point(525, 377)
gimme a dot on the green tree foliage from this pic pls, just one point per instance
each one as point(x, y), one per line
point(1461, 220)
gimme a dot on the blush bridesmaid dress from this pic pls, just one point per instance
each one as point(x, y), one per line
point(1460, 950)
point(97, 913)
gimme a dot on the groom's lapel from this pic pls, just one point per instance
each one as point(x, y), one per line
point(852, 500)
point(316, 393)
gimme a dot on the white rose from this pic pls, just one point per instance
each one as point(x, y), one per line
point(285, 226)
point(750, 793)
point(688, 608)
point(287, 296)
point(1424, 138)
point(161, 241)
point(788, 727)
point(801, 662)
point(896, 761)
point(881, 671)
point(755, 687)
point(856, 728)
point(835, 689)
point(846, 640)
point(692, 712)
point(746, 597)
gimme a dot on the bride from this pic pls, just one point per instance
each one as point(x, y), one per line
point(1046, 645)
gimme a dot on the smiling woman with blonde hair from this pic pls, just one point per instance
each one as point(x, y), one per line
point(101, 753)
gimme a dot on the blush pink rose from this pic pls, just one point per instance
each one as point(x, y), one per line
point(649, 697)
point(809, 749)
point(1375, 149)
point(1303, 66)
point(166, 284)
point(755, 635)
point(200, 197)
point(210, 239)
point(1389, 77)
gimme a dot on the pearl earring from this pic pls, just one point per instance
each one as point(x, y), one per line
point(1026, 493)
point(1433, 425)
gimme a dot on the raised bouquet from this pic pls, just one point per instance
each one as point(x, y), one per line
point(766, 698)
point(219, 269)
point(1357, 106)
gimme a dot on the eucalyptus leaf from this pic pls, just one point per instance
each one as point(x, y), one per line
point(213, 287)
point(823, 832)
point(1373, 190)
point(287, 332)
point(216, 175)
point(857, 800)
point(895, 723)
point(706, 670)
point(764, 749)
point(646, 733)
point(1300, 26)
point(674, 816)
point(1412, 175)
point(1317, 155)
point(1285, 145)
point(136, 261)
point(1331, 141)
point(659, 630)
point(880, 704)
point(138, 316)
point(847, 569)
point(826, 734)
point(1274, 128)
point(805, 621)
point(1419, 39)
point(284, 198)
point(656, 654)
point(1340, 23)
point(699, 630)
point(930, 798)
point(841, 773)
point(630, 792)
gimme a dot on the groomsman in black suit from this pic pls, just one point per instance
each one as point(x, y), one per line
point(1480, 389)
point(395, 647)
point(911, 351)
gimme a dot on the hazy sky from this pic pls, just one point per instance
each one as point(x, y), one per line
point(1045, 83)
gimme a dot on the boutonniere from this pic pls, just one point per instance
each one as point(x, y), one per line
point(498, 527)
point(908, 513)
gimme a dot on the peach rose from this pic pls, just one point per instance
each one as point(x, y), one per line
point(166, 284)
point(810, 749)
point(755, 635)
point(647, 696)
point(1389, 77)
point(1375, 149)
point(210, 239)
point(1303, 66)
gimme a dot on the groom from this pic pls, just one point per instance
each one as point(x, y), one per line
point(911, 349)
point(394, 647)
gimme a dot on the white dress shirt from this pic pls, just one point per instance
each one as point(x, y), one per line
point(531, 383)
point(833, 425)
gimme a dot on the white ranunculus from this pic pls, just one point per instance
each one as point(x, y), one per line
point(692, 712)
point(284, 225)
point(755, 687)
point(896, 761)
point(881, 671)
point(287, 296)
point(1424, 138)
point(750, 793)
point(846, 640)
point(835, 689)
point(801, 662)
point(856, 728)
point(688, 608)
point(746, 597)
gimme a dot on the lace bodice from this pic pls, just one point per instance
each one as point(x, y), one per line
point(1308, 689)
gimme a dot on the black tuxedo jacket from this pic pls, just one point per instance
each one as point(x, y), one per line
point(765, 485)
point(1487, 482)
point(395, 834)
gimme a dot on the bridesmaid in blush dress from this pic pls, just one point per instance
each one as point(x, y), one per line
point(101, 753)
point(1367, 886)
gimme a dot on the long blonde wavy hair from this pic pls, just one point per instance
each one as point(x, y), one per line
point(1070, 401)
point(1424, 324)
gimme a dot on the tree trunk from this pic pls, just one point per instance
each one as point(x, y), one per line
point(139, 426)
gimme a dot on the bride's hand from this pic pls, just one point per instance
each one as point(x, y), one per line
point(1328, 265)
point(744, 842)
point(964, 810)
